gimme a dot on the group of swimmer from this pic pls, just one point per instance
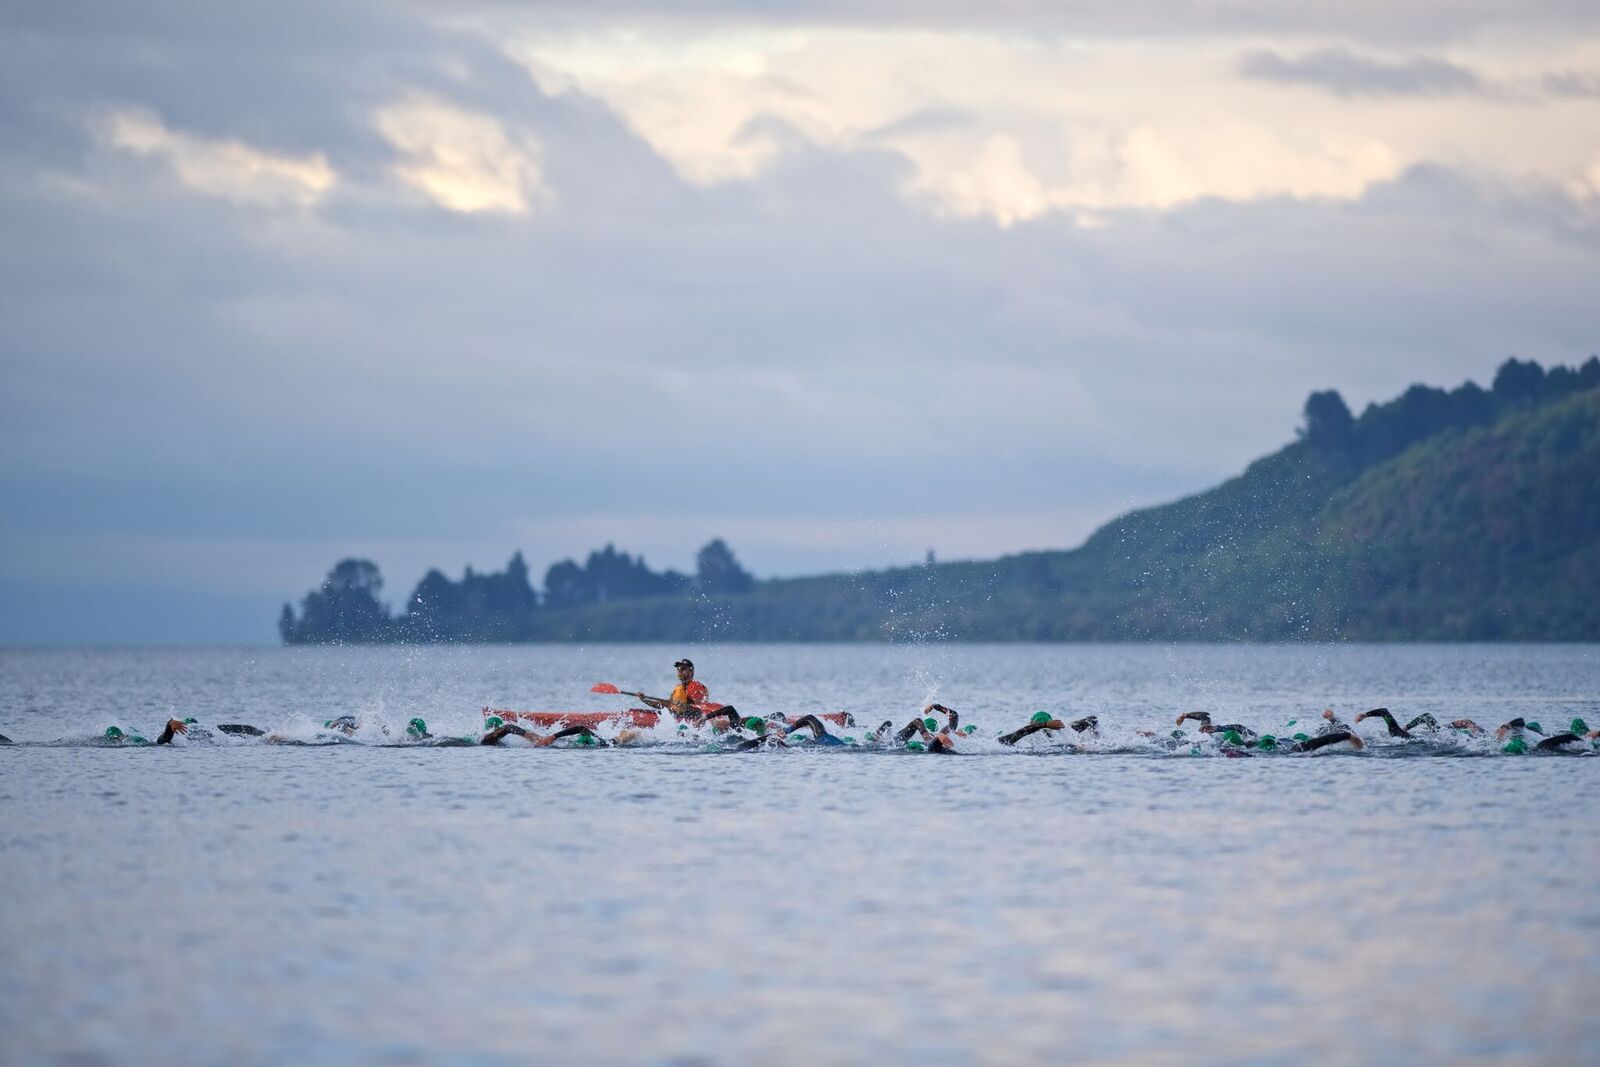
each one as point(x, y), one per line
point(727, 728)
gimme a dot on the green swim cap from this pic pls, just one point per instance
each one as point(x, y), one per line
point(1535, 727)
point(416, 727)
point(1291, 722)
point(969, 729)
point(847, 739)
point(1041, 716)
point(113, 734)
point(328, 725)
point(931, 723)
point(584, 739)
point(683, 727)
point(916, 746)
point(1267, 741)
point(493, 721)
point(191, 721)
point(1579, 727)
point(1302, 737)
point(753, 723)
point(1515, 747)
point(1232, 737)
point(1179, 735)
point(1195, 751)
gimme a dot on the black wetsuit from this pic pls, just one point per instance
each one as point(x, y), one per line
point(239, 729)
point(1556, 741)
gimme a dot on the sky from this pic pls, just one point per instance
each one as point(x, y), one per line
point(840, 283)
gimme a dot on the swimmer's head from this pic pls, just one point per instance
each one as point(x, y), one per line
point(493, 722)
point(191, 721)
point(969, 729)
point(756, 724)
point(931, 723)
point(916, 746)
point(1536, 728)
point(1579, 727)
point(1040, 716)
point(113, 734)
point(417, 728)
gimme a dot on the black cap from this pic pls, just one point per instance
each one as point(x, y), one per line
point(683, 663)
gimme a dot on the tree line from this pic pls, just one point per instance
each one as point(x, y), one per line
point(502, 606)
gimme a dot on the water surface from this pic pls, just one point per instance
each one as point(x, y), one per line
point(352, 903)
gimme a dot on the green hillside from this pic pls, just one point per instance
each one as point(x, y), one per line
point(1484, 524)
point(1470, 514)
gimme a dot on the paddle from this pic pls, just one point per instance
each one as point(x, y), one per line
point(604, 687)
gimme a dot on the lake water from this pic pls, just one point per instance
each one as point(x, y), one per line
point(349, 903)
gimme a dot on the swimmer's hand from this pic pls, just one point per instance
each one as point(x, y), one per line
point(178, 726)
point(1055, 724)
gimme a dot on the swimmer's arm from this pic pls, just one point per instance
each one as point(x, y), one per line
point(1032, 728)
point(1466, 724)
point(808, 722)
point(500, 733)
point(1328, 739)
point(1424, 720)
point(173, 726)
point(570, 731)
point(915, 726)
point(949, 713)
point(1395, 729)
point(1088, 722)
point(1197, 716)
point(241, 729)
point(727, 711)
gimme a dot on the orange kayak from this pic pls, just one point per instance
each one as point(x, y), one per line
point(641, 717)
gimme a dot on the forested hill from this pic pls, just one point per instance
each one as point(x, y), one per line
point(1470, 514)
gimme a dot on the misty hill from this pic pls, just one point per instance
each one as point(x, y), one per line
point(1467, 514)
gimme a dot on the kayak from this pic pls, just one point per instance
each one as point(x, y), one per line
point(640, 717)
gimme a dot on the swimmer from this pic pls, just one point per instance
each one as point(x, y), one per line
point(769, 733)
point(1042, 720)
point(176, 726)
point(1423, 721)
point(1240, 732)
point(819, 732)
point(115, 735)
point(1324, 740)
point(4, 740)
point(417, 730)
point(586, 737)
point(1332, 725)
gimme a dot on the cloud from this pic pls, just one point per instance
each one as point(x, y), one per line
point(1349, 74)
point(465, 162)
point(826, 291)
point(1573, 84)
point(229, 169)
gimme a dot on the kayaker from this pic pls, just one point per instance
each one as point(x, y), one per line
point(685, 695)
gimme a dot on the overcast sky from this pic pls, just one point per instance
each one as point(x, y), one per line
point(428, 284)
